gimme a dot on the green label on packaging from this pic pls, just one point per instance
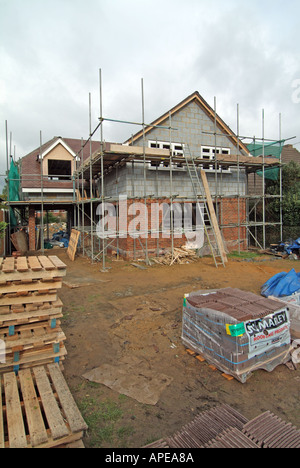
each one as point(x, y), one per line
point(235, 330)
point(184, 299)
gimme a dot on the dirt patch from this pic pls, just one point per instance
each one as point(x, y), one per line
point(136, 313)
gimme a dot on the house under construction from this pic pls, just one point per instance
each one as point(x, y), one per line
point(182, 180)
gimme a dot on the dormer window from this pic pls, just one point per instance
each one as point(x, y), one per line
point(59, 169)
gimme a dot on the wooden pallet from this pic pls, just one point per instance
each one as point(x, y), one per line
point(22, 288)
point(33, 357)
point(29, 313)
point(35, 335)
point(28, 298)
point(73, 241)
point(38, 410)
point(31, 268)
point(200, 358)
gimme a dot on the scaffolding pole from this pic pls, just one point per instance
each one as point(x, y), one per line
point(94, 158)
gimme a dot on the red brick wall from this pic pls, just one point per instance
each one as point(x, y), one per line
point(228, 214)
point(232, 213)
point(31, 229)
point(31, 175)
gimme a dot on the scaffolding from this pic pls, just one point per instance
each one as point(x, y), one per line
point(87, 196)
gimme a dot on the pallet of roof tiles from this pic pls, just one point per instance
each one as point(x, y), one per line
point(37, 410)
point(236, 331)
point(22, 269)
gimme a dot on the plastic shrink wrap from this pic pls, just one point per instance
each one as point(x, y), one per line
point(237, 331)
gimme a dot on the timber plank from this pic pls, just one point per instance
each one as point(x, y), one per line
point(57, 262)
point(46, 263)
point(1, 418)
point(34, 264)
point(15, 423)
point(213, 217)
point(8, 265)
point(21, 264)
point(37, 430)
point(66, 399)
point(52, 412)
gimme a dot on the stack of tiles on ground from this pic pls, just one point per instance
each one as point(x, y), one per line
point(224, 427)
point(237, 331)
point(30, 310)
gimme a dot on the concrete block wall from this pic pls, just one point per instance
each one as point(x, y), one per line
point(191, 123)
point(130, 181)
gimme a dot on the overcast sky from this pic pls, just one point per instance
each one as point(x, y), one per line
point(241, 52)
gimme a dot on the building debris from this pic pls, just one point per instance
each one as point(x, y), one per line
point(289, 249)
point(181, 255)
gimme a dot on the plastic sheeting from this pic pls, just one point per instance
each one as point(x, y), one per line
point(13, 187)
point(292, 246)
point(282, 284)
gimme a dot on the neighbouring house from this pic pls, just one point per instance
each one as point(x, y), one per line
point(46, 181)
point(151, 167)
point(289, 153)
point(49, 169)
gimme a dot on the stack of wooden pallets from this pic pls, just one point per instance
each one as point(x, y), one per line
point(37, 408)
point(30, 310)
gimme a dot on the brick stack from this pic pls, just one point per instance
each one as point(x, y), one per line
point(30, 332)
point(237, 331)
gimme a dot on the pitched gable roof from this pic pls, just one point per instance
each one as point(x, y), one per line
point(31, 164)
point(59, 141)
point(73, 145)
point(289, 153)
point(198, 99)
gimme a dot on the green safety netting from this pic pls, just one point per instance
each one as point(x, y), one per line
point(13, 187)
point(273, 149)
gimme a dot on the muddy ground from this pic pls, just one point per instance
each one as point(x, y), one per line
point(129, 313)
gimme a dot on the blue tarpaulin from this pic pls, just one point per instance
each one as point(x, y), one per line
point(282, 284)
point(290, 247)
